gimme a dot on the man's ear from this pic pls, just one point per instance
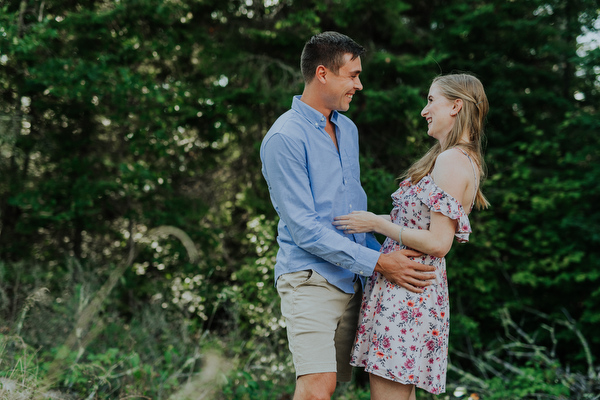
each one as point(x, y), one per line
point(456, 107)
point(321, 74)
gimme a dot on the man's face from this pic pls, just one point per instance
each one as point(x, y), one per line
point(343, 85)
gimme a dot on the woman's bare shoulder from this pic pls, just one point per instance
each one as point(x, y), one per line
point(452, 158)
point(453, 171)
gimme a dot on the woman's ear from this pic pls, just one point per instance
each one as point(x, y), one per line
point(456, 107)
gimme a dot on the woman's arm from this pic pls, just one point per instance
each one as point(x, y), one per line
point(435, 241)
point(451, 175)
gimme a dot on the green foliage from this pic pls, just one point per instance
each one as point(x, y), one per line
point(529, 382)
point(117, 117)
point(244, 387)
point(18, 368)
point(155, 353)
point(524, 365)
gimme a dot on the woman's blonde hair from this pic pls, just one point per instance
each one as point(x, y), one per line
point(470, 118)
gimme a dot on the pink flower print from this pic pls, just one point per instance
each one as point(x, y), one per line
point(404, 317)
point(385, 343)
point(435, 197)
point(430, 347)
point(399, 320)
point(361, 329)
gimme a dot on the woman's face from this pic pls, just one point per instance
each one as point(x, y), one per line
point(440, 114)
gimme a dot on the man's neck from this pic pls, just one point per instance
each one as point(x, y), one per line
point(311, 99)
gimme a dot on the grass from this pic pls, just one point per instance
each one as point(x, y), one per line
point(82, 348)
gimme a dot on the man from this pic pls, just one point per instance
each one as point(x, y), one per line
point(310, 163)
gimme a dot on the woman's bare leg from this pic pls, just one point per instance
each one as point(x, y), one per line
point(385, 389)
point(413, 394)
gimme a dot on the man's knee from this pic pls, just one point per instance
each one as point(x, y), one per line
point(315, 386)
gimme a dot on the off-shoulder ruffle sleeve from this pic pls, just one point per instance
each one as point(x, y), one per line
point(439, 201)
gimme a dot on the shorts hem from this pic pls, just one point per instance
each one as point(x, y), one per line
point(315, 369)
point(345, 376)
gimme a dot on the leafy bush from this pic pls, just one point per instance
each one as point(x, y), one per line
point(525, 365)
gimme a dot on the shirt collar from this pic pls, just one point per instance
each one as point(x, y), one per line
point(313, 116)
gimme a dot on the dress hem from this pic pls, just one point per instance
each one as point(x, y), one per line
point(423, 387)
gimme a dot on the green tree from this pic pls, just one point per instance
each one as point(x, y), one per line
point(120, 116)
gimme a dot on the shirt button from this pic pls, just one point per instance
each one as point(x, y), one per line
point(317, 124)
point(350, 205)
point(360, 272)
point(322, 118)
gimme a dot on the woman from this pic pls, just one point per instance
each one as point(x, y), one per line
point(402, 339)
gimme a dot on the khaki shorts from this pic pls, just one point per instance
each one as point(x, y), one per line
point(321, 323)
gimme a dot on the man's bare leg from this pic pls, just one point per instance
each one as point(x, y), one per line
point(315, 386)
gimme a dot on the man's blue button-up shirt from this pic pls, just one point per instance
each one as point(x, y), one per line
point(310, 183)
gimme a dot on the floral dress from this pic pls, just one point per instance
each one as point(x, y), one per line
point(403, 336)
